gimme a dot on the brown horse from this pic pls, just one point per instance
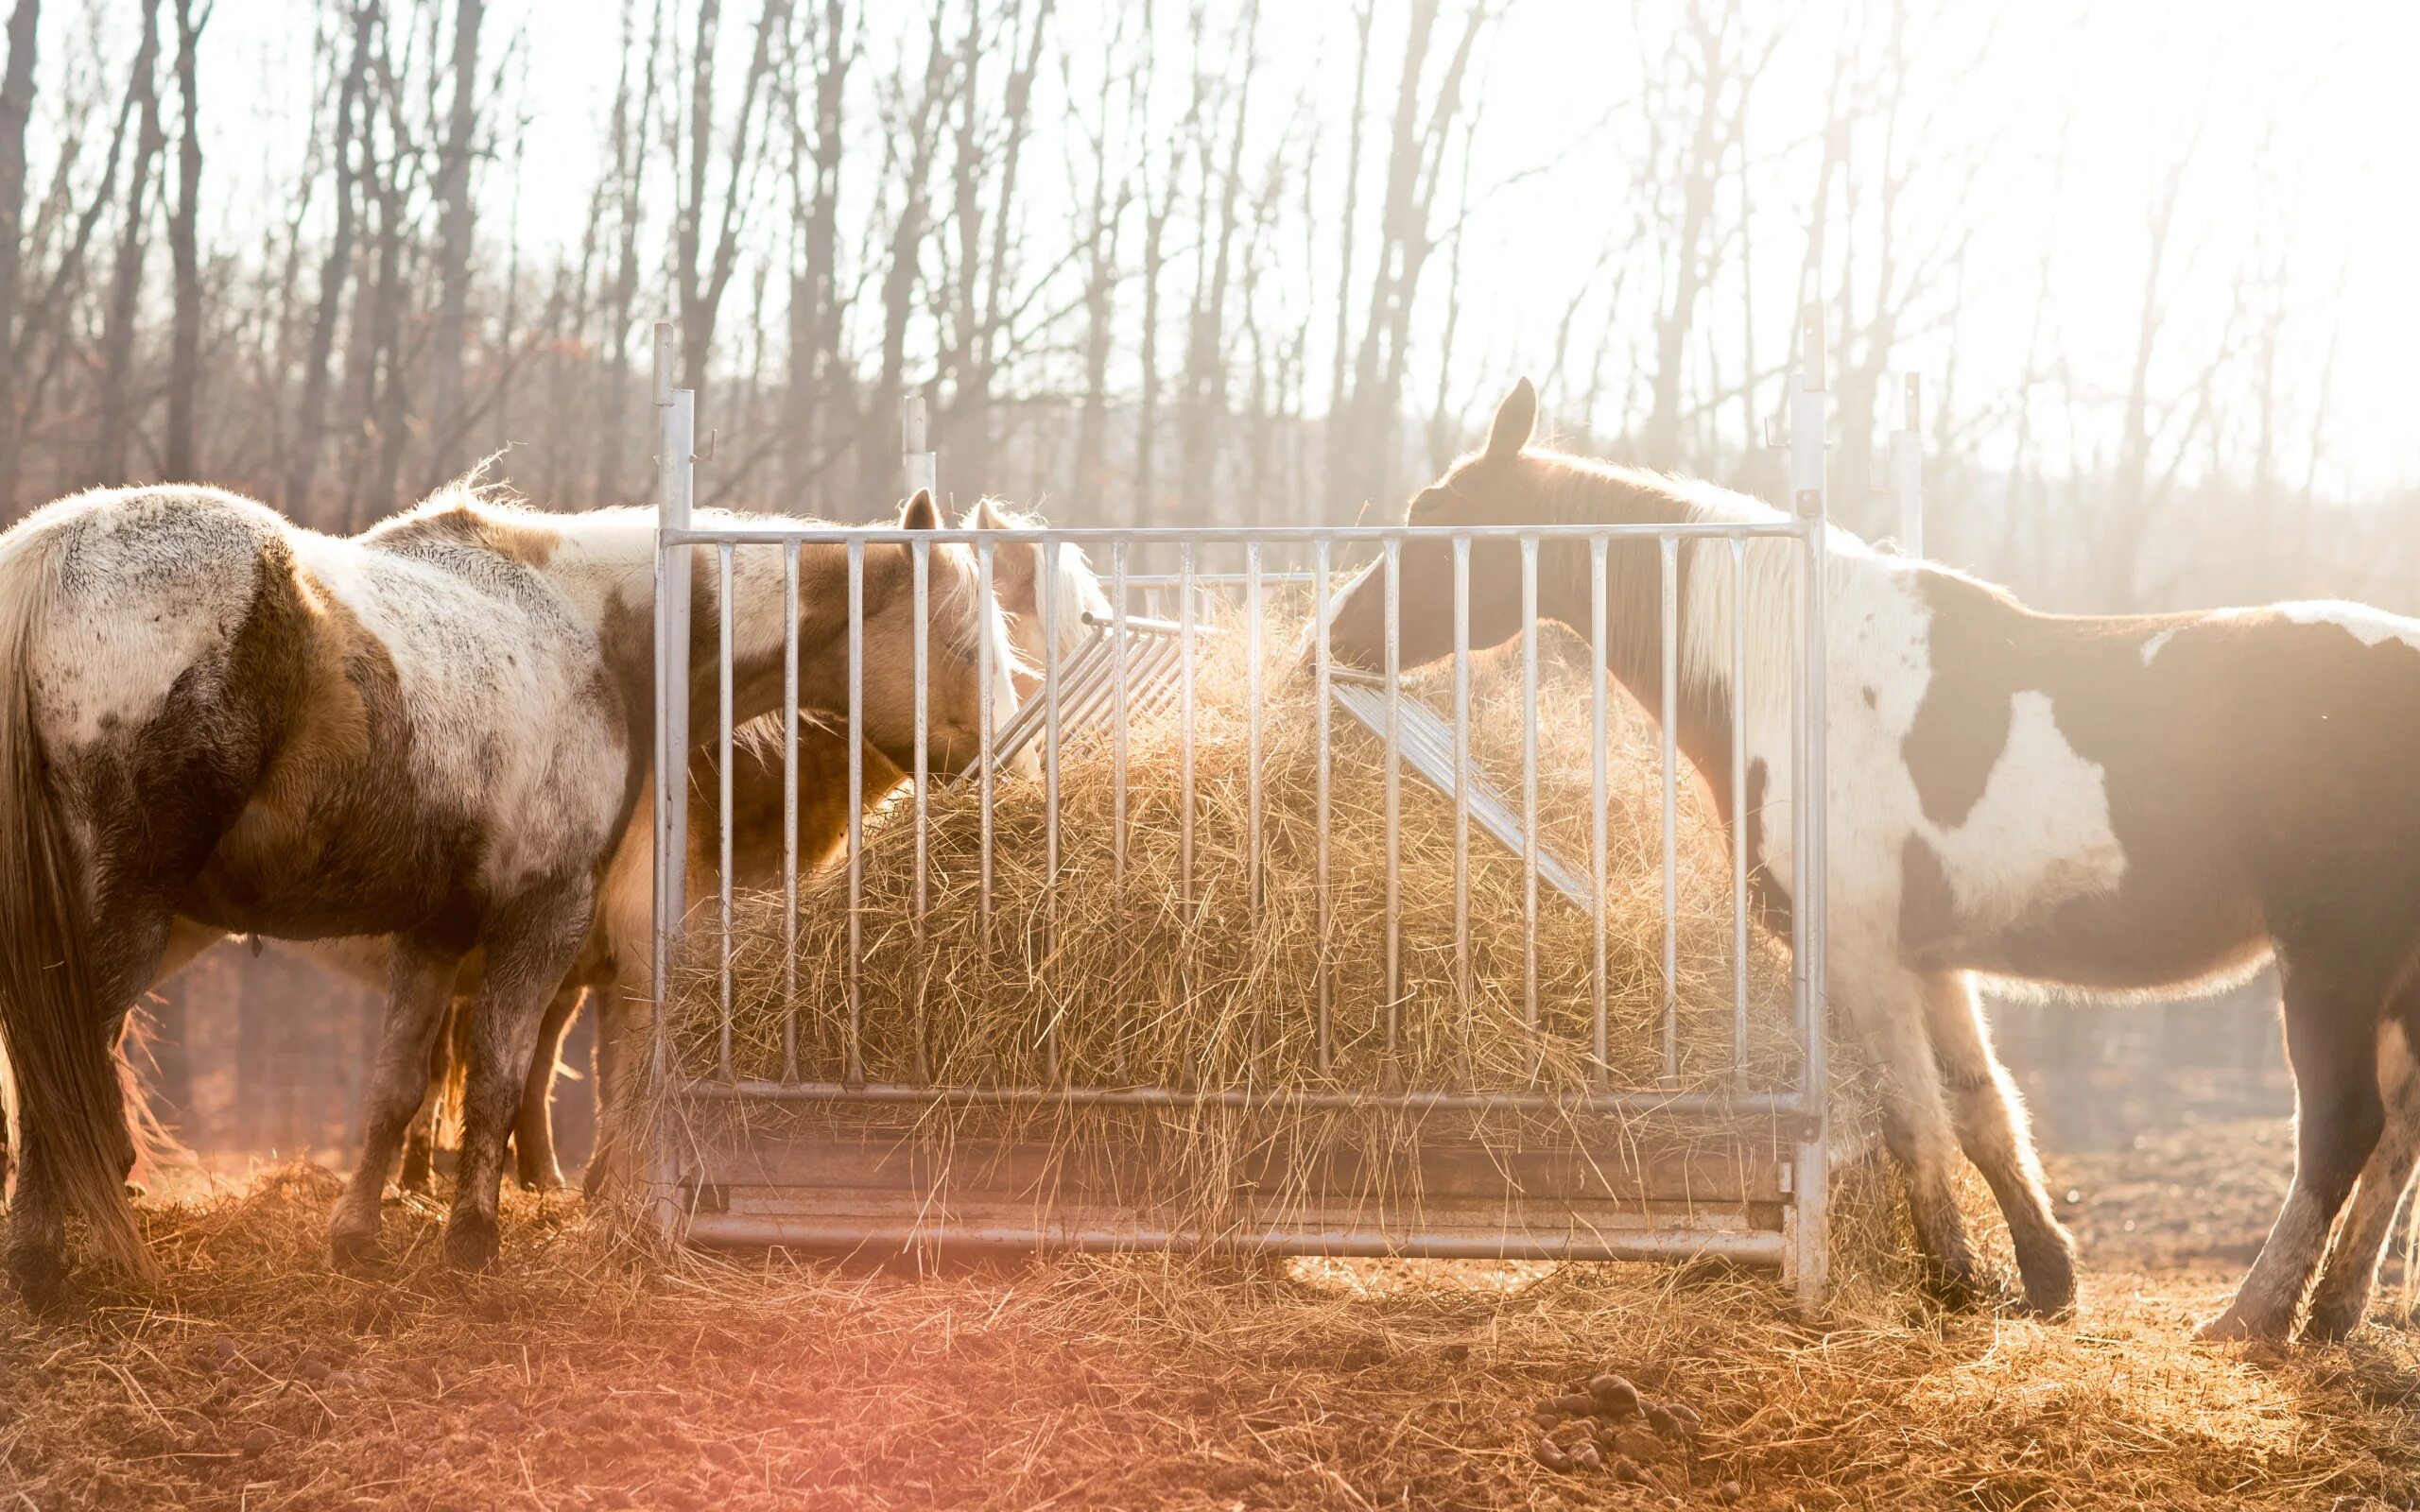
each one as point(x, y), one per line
point(2132, 803)
point(432, 730)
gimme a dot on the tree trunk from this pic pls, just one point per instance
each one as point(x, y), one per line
point(126, 282)
point(16, 109)
point(311, 416)
point(185, 346)
point(454, 232)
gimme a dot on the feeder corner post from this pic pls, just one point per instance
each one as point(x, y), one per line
point(1810, 1174)
point(920, 465)
point(675, 441)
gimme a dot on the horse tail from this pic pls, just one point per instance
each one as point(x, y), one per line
point(65, 1085)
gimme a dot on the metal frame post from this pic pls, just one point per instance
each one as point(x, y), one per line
point(1908, 470)
point(1810, 1172)
point(919, 464)
point(676, 435)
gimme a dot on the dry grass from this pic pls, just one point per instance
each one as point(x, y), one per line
point(1135, 975)
point(582, 1376)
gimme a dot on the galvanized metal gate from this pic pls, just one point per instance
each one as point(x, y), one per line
point(1739, 1173)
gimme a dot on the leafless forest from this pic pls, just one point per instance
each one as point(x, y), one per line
point(1150, 261)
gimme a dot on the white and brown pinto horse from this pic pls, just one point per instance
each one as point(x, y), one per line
point(613, 974)
point(2130, 803)
point(434, 730)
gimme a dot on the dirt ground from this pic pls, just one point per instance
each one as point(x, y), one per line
point(579, 1376)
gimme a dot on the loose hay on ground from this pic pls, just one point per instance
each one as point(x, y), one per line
point(584, 1376)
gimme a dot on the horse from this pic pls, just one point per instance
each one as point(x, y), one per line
point(2126, 803)
point(433, 731)
point(758, 793)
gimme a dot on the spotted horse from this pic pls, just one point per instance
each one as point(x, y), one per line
point(212, 719)
point(2123, 804)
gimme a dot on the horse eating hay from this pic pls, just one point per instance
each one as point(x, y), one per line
point(429, 730)
point(2122, 803)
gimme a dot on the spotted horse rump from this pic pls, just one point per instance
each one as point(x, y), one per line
point(2129, 803)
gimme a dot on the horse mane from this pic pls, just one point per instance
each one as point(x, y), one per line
point(1079, 587)
point(1568, 490)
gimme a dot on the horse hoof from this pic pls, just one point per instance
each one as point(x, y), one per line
point(2232, 1327)
point(349, 1248)
point(471, 1242)
point(2331, 1325)
point(41, 1281)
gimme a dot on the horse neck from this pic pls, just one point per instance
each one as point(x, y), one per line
point(1705, 702)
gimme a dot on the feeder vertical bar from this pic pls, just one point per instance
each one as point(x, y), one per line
point(1049, 569)
point(1185, 757)
point(1120, 649)
point(1117, 708)
point(1395, 798)
point(1462, 790)
point(1671, 639)
point(1251, 754)
point(1810, 1171)
point(1530, 786)
point(855, 1073)
point(920, 557)
point(789, 811)
point(1320, 696)
point(983, 738)
point(722, 798)
point(1252, 735)
point(1597, 710)
point(1740, 701)
point(920, 554)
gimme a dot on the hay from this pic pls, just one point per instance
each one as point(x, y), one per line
point(582, 1376)
point(1142, 980)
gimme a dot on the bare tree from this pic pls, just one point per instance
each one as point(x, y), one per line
point(454, 226)
point(184, 359)
point(16, 109)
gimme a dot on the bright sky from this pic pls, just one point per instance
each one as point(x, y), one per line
point(2323, 90)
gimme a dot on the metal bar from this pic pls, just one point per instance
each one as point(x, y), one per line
point(1596, 709)
point(722, 798)
point(983, 673)
point(674, 446)
point(742, 532)
point(1185, 757)
point(1325, 1027)
point(1252, 760)
point(1810, 1182)
point(1717, 1105)
point(1753, 1248)
point(1122, 650)
point(856, 1066)
point(1530, 791)
point(1046, 564)
point(1740, 704)
point(1394, 802)
point(789, 811)
point(1462, 794)
point(920, 557)
point(1671, 639)
point(918, 467)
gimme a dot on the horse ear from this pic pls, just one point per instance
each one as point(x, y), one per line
point(920, 513)
point(986, 515)
point(1515, 418)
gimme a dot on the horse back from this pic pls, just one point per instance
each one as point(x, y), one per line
point(2186, 783)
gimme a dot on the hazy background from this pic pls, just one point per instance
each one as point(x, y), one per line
point(1239, 260)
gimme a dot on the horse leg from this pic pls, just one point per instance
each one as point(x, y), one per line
point(1889, 1007)
point(2351, 1269)
point(420, 980)
point(611, 1060)
point(531, 947)
point(533, 1130)
point(420, 1138)
point(2331, 1042)
point(1990, 1118)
